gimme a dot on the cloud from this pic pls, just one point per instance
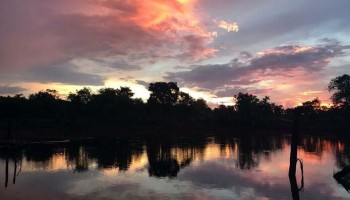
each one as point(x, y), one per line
point(205, 76)
point(267, 23)
point(11, 89)
point(279, 62)
point(310, 92)
point(124, 65)
point(195, 48)
point(65, 73)
point(117, 64)
point(143, 83)
point(309, 58)
point(41, 33)
point(227, 26)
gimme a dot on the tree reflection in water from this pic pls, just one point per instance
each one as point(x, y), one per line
point(166, 157)
point(15, 155)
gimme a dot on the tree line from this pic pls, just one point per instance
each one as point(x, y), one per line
point(167, 107)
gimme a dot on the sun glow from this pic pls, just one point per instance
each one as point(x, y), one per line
point(139, 90)
point(155, 13)
point(185, 1)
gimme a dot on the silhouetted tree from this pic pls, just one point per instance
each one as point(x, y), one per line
point(124, 92)
point(106, 94)
point(341, 87)
point(82, 96)
point(201, 109)
point(265, 107)
point(309, 108)
point(247, 106)
point(46, 104)
point(224, 114)
point(278, 110)
point(48, 95)
point(185, 99)
point(110, 102)
point(163, 93)
point(315, 104)
point(246, 103)
point(341, 97)
point(124, 97)
point(79, 101)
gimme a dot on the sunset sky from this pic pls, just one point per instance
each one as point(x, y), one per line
point(288, 50)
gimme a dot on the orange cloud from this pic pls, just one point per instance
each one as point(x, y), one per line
point(286, 50)
point(174, 20)
point(310, 92)
point(100, 29)
point(173, 15)
point(228, 26)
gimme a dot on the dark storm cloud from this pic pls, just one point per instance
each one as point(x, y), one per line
point(280, 61)
point(11, 89)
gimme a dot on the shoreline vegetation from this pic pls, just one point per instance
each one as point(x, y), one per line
point(114, 112)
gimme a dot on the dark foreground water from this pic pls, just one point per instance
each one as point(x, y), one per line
point(206, 167)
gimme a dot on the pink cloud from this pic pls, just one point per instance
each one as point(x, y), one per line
point(42, 32)
point(282, 73)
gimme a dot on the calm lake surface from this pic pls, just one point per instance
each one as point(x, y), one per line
point(205, 167)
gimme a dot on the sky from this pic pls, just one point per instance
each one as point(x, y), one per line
point(287, 50)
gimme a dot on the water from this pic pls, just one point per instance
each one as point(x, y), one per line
point(207, 167)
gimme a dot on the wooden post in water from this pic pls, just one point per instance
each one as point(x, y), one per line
point(7, 169)
point(293, 161)
point(8, 130)
point(14, 172)
point(292, 166)
point(294, 149)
